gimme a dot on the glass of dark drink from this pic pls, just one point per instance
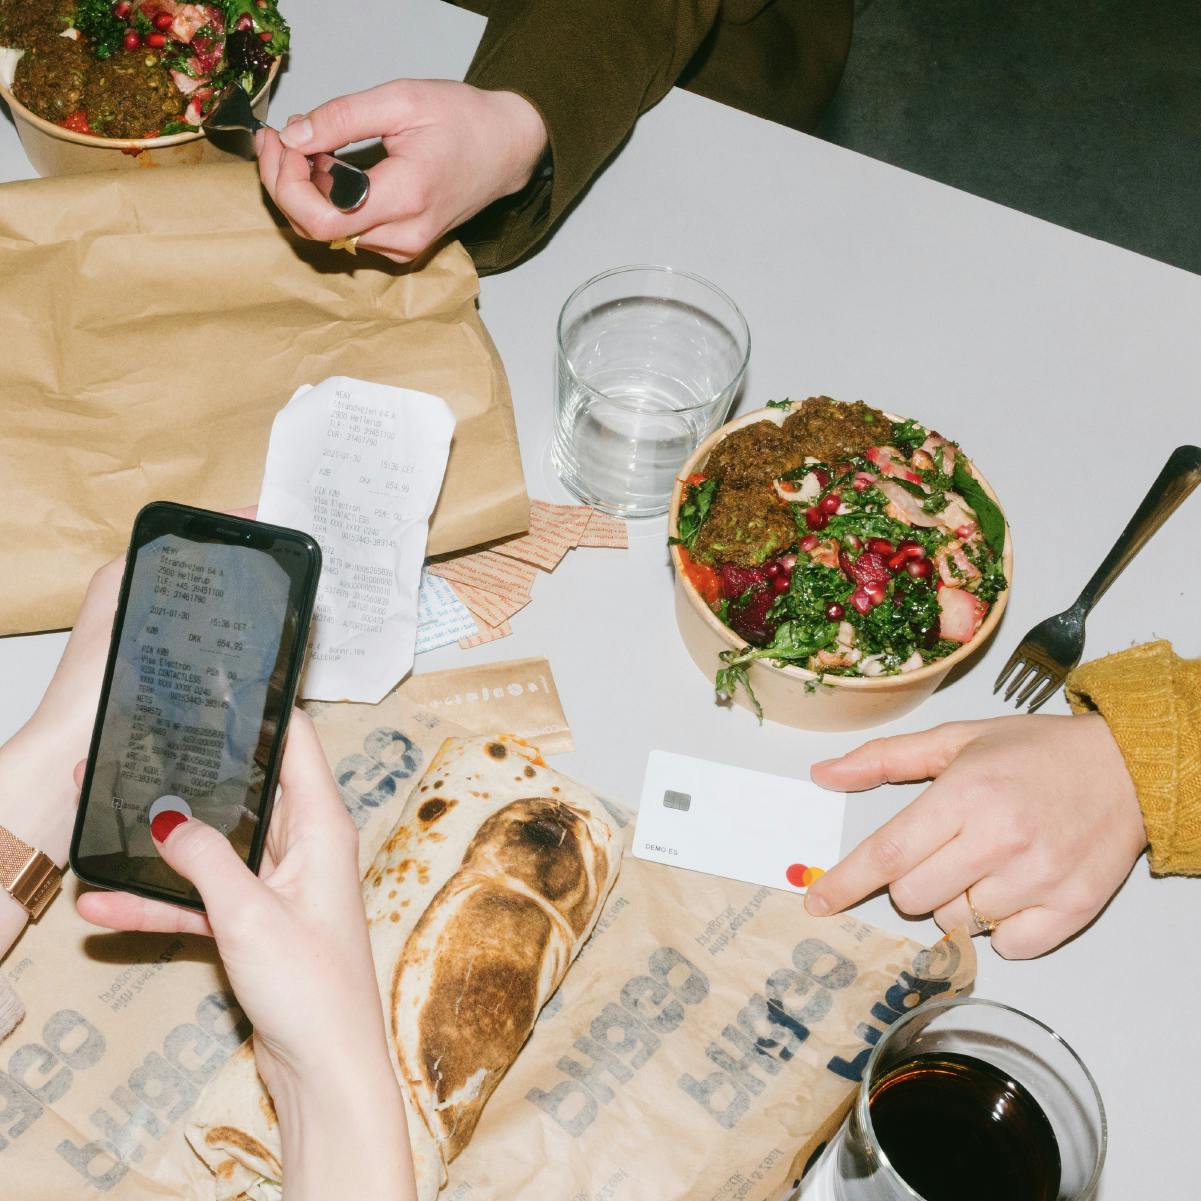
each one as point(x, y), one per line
point(970, 1100)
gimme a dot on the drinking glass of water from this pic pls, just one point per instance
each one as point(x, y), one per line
point(967, 1098)
point(649, 360)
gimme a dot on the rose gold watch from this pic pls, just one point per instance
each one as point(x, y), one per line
point(30, 876)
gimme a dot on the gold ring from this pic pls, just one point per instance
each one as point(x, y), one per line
point(350, 245)
point(984, 925)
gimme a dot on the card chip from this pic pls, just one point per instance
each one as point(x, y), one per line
point(676, 800)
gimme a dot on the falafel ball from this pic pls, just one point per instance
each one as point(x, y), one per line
point(745, 525)
point(756, 454)
point(829, 430)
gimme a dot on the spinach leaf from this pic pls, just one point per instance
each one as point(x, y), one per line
point(992, 523)
point(698, 500)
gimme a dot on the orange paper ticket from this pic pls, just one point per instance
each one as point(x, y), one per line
point(486, 634)
point(490, 607)
point(603, 530)
point(488, 571)
point(554, 530)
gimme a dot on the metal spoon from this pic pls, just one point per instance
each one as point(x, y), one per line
point(344, 185)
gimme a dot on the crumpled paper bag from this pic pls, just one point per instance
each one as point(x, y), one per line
point(152, 324)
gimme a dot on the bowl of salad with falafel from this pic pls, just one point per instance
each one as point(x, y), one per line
point(98, 84)
point(834, 562)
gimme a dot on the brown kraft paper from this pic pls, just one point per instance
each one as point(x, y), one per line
point(154, 322)
point(517, 695)
point(702, 1046)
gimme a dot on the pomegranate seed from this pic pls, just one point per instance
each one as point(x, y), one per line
point(772, 569)
point(245, 22)
point(844, 561)
point(834, 611)
point(875, 593)
point(156, 41)
point(966, 530)
point(829, 504)
point(853, 542)
point(809, 542)
point(266, 36)
point(897, 562)
point(132, 39)
point(122, 9)
point(162, 20)
point(911, 549)
point(781, 584)
point(861, 601)
point(823, 477)
point(881, 546)
point(920, 569)
point(816, 519)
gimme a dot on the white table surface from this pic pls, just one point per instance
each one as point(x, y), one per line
point(1067, 368)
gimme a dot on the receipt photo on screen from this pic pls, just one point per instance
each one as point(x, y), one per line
point(210, 632)
point(359, 465)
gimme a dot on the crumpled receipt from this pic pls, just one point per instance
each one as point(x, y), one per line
point(359, 467)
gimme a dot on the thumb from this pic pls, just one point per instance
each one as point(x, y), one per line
point(205, 857)
point(330, 126)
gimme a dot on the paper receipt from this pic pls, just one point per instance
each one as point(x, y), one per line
point(359, 466)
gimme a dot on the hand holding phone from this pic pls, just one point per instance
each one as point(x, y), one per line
point(210, 633)
point(294, 944)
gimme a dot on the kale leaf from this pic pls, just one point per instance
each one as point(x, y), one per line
point(698, 500)
point(95, 20)
point(907, 435)
point(784, 404)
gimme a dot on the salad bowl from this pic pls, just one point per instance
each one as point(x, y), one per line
point(793, 695)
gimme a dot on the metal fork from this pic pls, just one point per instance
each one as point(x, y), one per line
point(1053, 647)
point(343, 184)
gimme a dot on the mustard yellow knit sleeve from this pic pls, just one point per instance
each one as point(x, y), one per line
point(1151, 699)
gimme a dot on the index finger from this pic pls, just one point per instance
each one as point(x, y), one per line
point(897, 760)
point(897, 847)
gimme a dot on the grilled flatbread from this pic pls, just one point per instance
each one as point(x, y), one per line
point(478, 902)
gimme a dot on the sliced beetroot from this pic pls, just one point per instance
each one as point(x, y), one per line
point(736, 580)
point(750, 620)
point(870, 568)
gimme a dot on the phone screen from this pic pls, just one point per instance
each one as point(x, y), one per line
point(201, 676)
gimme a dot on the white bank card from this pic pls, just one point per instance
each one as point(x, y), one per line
point(729, 821)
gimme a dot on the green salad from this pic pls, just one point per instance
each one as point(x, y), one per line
point(842, 542)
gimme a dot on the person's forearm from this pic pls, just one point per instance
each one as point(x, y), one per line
point(37, 803)
point(316, 1113)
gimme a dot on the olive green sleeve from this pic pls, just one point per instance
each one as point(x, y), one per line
point(590, 67)
point(1151, 700)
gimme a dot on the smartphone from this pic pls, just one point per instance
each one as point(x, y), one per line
point(207, 647)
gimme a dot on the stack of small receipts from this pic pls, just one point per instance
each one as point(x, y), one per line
point(494, 584)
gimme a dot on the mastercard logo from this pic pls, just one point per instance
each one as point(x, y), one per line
point(799, 875)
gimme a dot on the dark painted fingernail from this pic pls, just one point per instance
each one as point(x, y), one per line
point(165, 823)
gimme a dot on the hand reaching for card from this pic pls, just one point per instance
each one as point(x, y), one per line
point(1036, 815)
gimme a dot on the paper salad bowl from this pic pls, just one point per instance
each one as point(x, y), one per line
point(793, 696)
point(53, 150)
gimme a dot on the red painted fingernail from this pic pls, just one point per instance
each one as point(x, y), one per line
point(164, 823)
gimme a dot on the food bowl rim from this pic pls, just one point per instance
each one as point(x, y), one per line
point(94, 140)
point(803, 674)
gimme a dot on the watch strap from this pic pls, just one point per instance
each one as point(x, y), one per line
point(30, 876)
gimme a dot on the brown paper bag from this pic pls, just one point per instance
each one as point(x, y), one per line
point(154, 322)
